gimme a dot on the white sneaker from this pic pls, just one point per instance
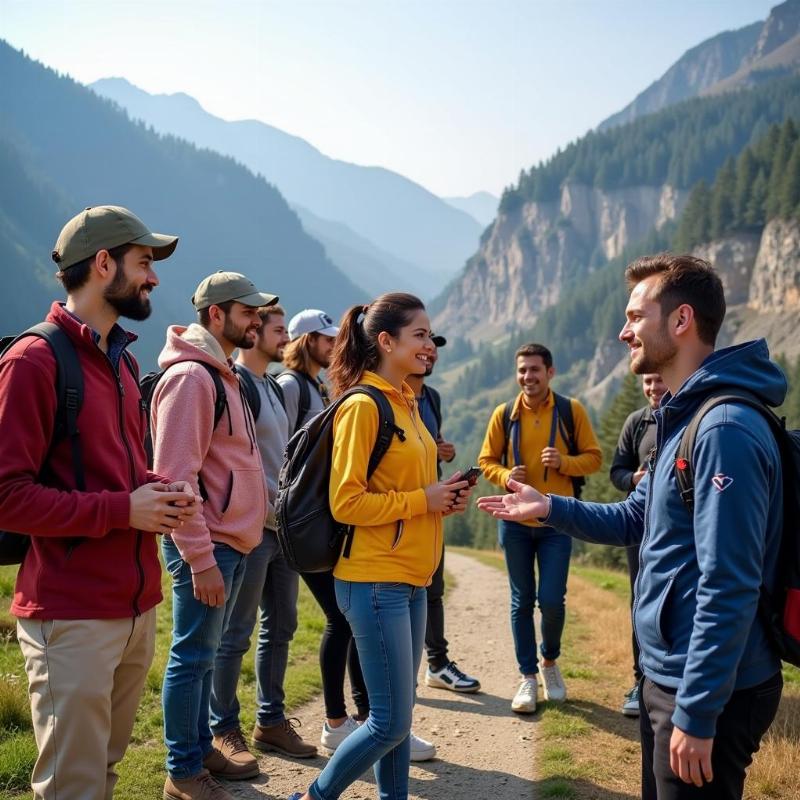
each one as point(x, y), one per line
point(421, 750)
point(553, 684)
point(524, 701)
point(332, 737)
point(451, 677)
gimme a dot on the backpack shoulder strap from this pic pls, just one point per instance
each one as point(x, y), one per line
point(386, 430)
point(251, 393)
point(508, 425)
point(386, 427)
point(69, 391)
point(277, 388)
point(436, 403)
point(566, 421)
point(220, 396)
point(640, 428)
point(304, 402)
point(684, 465)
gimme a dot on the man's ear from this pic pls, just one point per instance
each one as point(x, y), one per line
point(104, 265)
point(550, 372)
point(681, 319)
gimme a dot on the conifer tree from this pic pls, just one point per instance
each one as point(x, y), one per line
point(790, 185)
point(721, 212)
point(780, 160)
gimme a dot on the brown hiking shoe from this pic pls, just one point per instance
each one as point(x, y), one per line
point(199, 787)
point(230, 758)
point(282, 738)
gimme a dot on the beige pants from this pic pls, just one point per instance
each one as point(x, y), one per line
point(85, 680)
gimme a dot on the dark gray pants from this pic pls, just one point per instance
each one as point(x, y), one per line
point(435, 643)
point(744, 720)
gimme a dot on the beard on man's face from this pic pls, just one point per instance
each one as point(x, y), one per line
point(654, 357)
point(243, 338)
point(128, 300)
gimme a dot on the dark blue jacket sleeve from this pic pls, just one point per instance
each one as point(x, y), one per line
point(626, 459)
point(603, 523)
point(733, 469)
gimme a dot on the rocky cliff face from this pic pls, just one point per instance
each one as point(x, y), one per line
point(527, 257)
point(775, 282)
point(761, 275)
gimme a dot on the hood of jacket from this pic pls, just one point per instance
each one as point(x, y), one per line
point(193, 343)
point(742, 366)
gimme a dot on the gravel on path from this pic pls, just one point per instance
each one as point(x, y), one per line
point(485, 751)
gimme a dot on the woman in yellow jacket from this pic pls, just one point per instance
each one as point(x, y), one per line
point(397, 542)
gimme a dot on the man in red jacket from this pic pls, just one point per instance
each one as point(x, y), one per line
point(87, 589)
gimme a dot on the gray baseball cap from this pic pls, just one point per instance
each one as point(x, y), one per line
point(222, 287)
point(311, 320)
point(103, 228)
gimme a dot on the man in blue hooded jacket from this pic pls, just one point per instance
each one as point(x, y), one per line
point(712, 683)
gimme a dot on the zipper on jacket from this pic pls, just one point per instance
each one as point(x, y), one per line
point(651, 468)
point(132, 473)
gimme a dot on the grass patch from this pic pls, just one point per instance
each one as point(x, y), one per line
point(557, 788)
point(560, 722)
point(610, 581)
point(142, 770)
point(17, 756)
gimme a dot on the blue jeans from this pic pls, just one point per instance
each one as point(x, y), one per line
point(196, 633)
point(271, 586)
point(388, 623)
point(523, 546)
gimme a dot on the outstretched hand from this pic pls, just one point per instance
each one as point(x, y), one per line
point(524, 504)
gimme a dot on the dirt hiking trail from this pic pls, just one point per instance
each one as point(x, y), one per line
point(485, 751)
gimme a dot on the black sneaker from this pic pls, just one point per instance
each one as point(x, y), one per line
point(451, 677)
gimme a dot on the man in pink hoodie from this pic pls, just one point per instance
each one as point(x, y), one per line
point(206, 557)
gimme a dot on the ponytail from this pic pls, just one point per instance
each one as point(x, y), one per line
point(356, 347)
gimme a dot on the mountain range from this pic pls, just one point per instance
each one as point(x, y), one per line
point(63, 148)
point(609, 191)
point(733, 59)
point(382, 210)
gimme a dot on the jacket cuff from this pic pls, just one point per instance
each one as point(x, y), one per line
point(701, 727)
point(559, 510)
point(120, 511)
point(202, 562)
point(417, 502)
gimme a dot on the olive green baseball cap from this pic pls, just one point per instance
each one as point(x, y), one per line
point(222, 287)
point(103, 228)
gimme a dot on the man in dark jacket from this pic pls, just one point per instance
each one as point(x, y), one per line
point(712, 682)
point(86, 592)
point(629, 466)
point(442, 672)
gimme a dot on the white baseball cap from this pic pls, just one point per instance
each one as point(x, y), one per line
point(311, 320)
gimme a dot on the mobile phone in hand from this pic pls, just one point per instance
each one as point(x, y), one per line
point(471, 475)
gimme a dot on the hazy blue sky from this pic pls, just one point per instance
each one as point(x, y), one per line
point(456, 94)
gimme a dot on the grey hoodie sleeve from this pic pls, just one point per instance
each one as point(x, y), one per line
point(291, 397)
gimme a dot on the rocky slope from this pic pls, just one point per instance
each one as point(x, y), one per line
point(761, 274)
point(528, 256)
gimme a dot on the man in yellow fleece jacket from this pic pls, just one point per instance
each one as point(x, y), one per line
point(547, 441)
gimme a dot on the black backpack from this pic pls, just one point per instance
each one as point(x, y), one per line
point(304, 403)
point(780, 612)
point(562, 417)
point(69, 400)
point(311, 539)
point(147, 386)
point(253, 396)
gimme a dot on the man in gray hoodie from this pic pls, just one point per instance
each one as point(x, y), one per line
point(268, 585)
